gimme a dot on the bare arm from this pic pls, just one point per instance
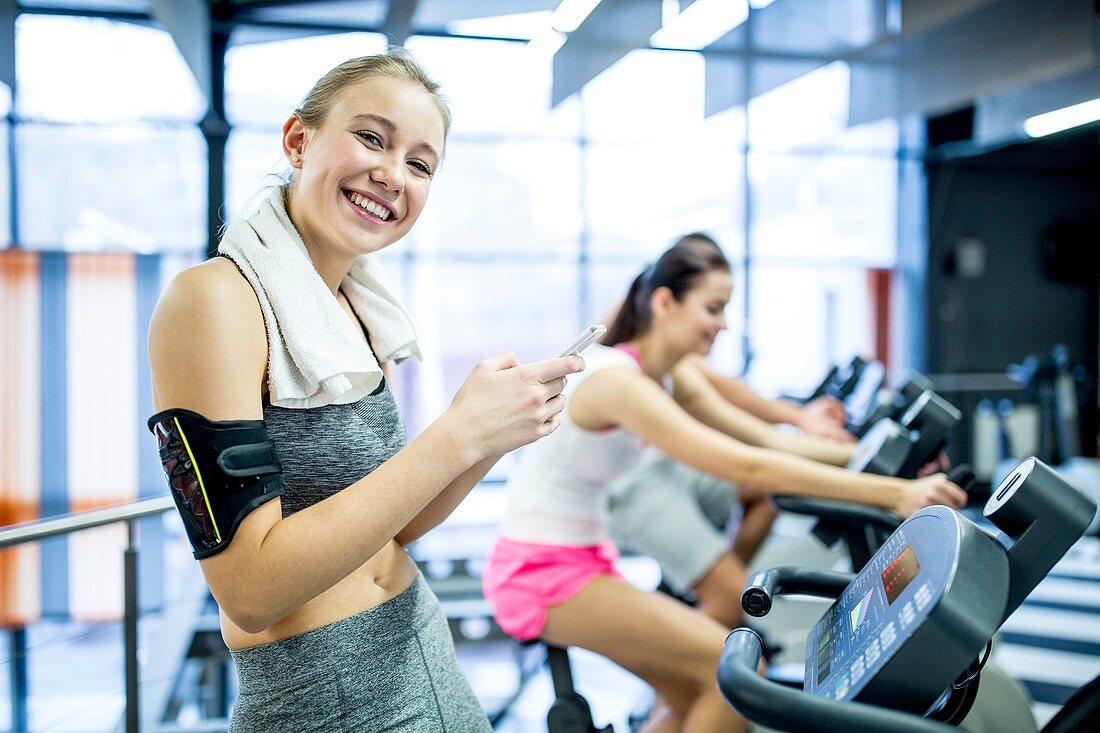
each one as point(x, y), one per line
point(204, 361)
point(824, 417)
point(446, 502)
point(625, 398)
point(736, 392)
point(702, 401)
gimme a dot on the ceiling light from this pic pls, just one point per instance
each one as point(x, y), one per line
point(701, 24)
point(570, 14)
point(1063, 119)
point(514, 25)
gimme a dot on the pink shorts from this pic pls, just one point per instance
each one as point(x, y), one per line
point(523, 579)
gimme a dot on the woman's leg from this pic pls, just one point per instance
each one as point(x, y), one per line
point(718, 589)
point(718, 592)
point(654, 513)
point(756, 524)
point(671, 646)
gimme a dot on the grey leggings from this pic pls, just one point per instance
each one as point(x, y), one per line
point(390, 668)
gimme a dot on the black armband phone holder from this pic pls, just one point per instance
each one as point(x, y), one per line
point(218, 473)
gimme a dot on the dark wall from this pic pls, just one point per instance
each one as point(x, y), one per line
point(1007, 201)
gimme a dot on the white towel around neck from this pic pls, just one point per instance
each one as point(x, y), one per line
point(316, 355)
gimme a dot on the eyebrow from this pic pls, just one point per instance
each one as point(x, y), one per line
point(390, 128)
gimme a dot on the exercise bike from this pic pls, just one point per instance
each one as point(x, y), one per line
point(902, 647)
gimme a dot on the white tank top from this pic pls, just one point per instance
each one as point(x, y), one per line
point(557, 491)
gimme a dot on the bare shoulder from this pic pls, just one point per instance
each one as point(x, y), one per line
point(617, 382)
point(208, 344)
point(605, 396)
point(208, 287)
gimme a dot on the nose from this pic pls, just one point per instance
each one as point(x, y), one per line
point(389, 172)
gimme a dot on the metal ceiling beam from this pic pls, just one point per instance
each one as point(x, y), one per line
point(243, 8)
point(398, 23)
point(122, 16)
point(188, 22)
point(614, 29)
point(787, 39)
point(997, 47)
point(918, 16)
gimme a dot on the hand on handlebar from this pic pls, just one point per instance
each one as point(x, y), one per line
point(939, 464)
point(825, 418)
point(927, 491)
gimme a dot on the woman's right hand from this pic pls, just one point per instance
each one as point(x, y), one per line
point(503, 404)
point(927, 491)
point(825, 418)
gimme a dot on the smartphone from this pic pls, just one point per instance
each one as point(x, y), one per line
point(584, 339)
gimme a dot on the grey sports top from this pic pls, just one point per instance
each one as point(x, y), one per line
point(324, 449)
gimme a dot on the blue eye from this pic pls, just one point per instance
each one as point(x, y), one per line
point(421, 166)
point(369, 137)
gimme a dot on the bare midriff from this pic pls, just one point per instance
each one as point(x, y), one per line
point(386, 575)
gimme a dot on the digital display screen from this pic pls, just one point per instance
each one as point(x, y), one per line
point(860, 611)
point(824, 655)
point(898, 574)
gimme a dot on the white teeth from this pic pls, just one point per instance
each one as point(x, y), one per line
point(380, 211)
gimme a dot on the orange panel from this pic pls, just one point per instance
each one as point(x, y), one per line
point(102, 421)
point(20, 463)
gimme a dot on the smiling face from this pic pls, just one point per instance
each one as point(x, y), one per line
point(362, 177)
point(694, 322)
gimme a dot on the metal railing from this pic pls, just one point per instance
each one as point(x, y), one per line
point(43, 529)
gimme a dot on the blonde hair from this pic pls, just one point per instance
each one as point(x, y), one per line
point(396, 63)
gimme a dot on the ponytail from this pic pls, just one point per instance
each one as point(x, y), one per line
point(678, 269)
point(633, 315)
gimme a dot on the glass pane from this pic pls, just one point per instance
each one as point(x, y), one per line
point(504, 196)
point(648, 96)
point(5, 185)
point(646, 194)
point(728, 353)
point(397, 268)
point(264, 82)
point(496, 87)
point(106, 72)
point(118, 188)
point(881, 138)
point(807, 111)
point(469, 311)
point(803, 319)
point(608, 283)
point(253, 161)
point(833, 206)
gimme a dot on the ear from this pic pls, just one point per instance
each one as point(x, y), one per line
point(294, 140)
point(661, 301)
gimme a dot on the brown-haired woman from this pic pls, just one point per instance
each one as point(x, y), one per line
point(551, 574)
